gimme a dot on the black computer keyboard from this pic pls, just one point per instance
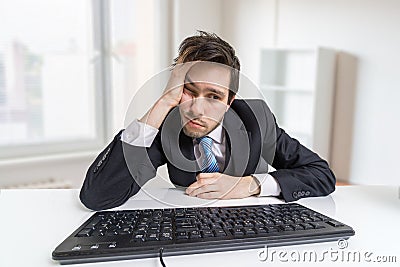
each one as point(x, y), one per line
point(141, 233)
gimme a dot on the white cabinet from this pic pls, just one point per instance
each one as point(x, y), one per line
point(298, 85)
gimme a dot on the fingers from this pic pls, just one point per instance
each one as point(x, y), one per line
point(209, 195)
point(199, 183)
point(178, 75)
point(210, 188)
point(202, 180)
point(220, 186)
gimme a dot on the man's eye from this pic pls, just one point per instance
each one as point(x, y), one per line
point(215, 97)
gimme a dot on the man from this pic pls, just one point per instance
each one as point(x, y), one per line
point(216, 146)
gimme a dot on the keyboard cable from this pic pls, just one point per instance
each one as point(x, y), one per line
point(161, 258)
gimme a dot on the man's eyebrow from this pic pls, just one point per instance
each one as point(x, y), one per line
point(215, 91)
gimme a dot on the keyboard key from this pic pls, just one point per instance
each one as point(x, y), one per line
point(237, 231)
point(315, 219)
point(207, 233)
point(287, 228)
point(220, 232)
point(261, 230)
point(111, 233)
point(269, 222)
point(95, 246)
point(335, 223)
point(77, 247)
point(182, 235)
point(166, 236)
point(85, 232)
point(151, 237)
point(194, 234)
point(298, 220)
point(123, 232)
point(298, 227)
point(249, 231)
point(272, 229)
point(290, 221)
point(307, 226)
point(138, 237)
point(94, 222)
point(98, 233)
point(317, 225)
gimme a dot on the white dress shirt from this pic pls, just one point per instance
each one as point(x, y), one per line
point(140, 134)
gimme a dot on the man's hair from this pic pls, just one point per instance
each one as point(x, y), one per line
point(210, 47)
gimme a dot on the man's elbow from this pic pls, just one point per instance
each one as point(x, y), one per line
point(102, 199)
point(90, 200)
point(329, 183)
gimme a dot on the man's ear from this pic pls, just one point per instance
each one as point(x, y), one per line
point(233, 98)
point(230, 103)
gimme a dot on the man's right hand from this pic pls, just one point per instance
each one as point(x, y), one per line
point(171, 96)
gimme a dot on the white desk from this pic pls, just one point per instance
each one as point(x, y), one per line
point(34, 222)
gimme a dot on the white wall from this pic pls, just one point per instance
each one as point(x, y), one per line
point(248, 27)
point(366, 29)
point(192, 15)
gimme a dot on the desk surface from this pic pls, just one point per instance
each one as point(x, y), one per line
point(34, 222)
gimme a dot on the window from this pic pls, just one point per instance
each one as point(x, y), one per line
point(68, 69)
point(47, 93)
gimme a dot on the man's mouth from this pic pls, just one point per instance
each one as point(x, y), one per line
point(194, 123)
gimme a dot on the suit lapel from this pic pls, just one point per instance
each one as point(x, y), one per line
point(238, 142)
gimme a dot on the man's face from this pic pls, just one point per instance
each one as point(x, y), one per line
point(205, 98)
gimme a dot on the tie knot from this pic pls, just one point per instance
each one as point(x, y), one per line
point(204, 140)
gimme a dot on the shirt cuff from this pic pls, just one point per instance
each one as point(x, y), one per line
point(268, 185)
point(139, 134)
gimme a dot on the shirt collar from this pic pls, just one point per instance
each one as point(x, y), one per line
point(216, 134)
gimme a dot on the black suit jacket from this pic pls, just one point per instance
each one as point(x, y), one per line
point(254, 140)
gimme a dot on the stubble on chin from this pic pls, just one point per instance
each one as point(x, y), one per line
point(193, 134)
point(197, 134)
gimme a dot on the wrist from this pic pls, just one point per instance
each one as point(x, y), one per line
point(156, 115)
point(166, 104)
point(254, 187)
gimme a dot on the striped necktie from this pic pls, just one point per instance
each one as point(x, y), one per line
point(209, 161)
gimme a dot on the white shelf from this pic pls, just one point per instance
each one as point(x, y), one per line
point(298, 86)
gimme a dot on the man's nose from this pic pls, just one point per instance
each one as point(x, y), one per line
point(197, 106)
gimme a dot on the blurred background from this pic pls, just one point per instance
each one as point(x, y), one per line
point(329, 70)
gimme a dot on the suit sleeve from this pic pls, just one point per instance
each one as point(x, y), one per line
point(118, 173)
point(299, 171)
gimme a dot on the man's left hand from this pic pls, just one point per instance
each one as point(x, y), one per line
point(221, 186)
